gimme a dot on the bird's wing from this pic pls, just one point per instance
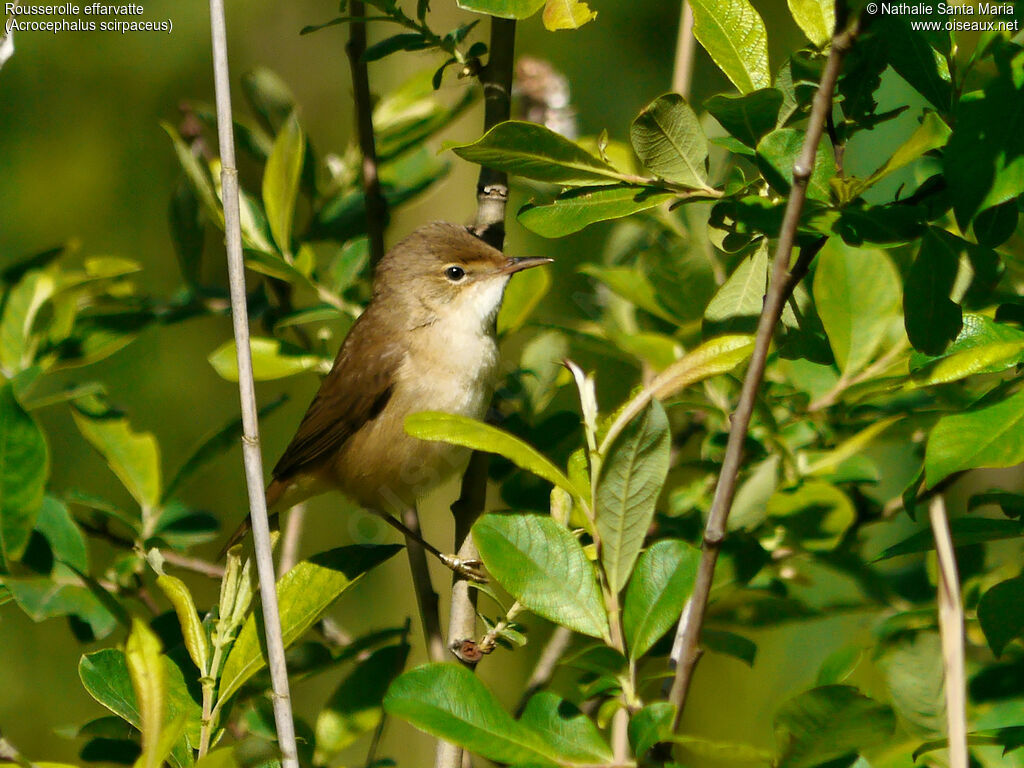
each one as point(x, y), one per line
point(351, 395)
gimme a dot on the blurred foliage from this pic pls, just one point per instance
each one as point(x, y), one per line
point(894, 375)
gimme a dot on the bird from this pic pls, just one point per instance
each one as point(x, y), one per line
point(426, 341)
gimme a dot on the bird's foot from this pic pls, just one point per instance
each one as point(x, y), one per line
point(471, 569)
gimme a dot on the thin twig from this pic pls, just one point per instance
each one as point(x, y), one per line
point(686, 47)
point(951, 630)
point(686, 653)
point(553, 651)
point(376, 205)
point(247, 394)
point(195, 564)
point(426, 597)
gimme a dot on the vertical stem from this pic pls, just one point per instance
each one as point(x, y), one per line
point(247, 394)
point(682, 73)
point(496, 78)
point(492, 197)
point(376, 205)
point(686, 652)
point(951, 630)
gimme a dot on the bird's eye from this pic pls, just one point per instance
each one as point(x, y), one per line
point(454, 273)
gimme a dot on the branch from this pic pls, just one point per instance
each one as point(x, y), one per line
point(247, 394)
point(376, 205)
point(682, 73)
point(687, 652)
point(951, 630)
point(492, 197)
point(496, 78)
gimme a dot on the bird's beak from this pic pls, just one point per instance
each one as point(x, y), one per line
point(519, 264)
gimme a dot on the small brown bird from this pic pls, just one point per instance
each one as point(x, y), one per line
point(425, 342)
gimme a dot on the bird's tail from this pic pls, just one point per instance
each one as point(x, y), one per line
point(274, 491)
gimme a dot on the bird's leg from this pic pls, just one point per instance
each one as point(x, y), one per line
point(471, 569)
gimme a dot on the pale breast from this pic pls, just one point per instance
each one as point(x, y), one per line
point(446, 369)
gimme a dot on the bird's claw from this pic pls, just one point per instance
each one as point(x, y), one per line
point(471, 569)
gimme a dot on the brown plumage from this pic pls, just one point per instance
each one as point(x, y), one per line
point(425, 342)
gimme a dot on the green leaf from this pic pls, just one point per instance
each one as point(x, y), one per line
point(410, 114)
point(198, 177)
point(105, 675)
point(669, 141)
point(62, 534)
point(633, 285)
point(748, 116)
point(303, 594)
point(912, 54)
point(23, 303)
point(983, 346)
point(450, 702)
point(269, 96)
point(212, 446)
point(857, 295)
point(733, 33)
point(817, 514)
point(1011, 504)
point(827, 723)
point(964, 530)
point(566, 14)
point(1001, 613)
point(742, 295)
point(984, 160)
point(535, 152)
point(271, 359)
point(994, 226)
point(658, 588)
point(579, 208)
point(355, 707)
point(133, 456)
point(913, 672)
point(469, 433)
point(24, 468)
point(505, 9)
point(932, 134)
point(816, 18)
point(729, 644)
point(224, 757)
point(192, 630)
point(712, 358)
point(779, 150)
point(990, 436)
point(839, 665)
point(187, 232)
point(406, 41)
point(274, 265)
point(933, 320)
point(651, 725)
point(521, 298)
point(149, 682)
point(630, 482)
point(543, 566)
point(44, 598)
point(569, 733)
point(281, 181)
